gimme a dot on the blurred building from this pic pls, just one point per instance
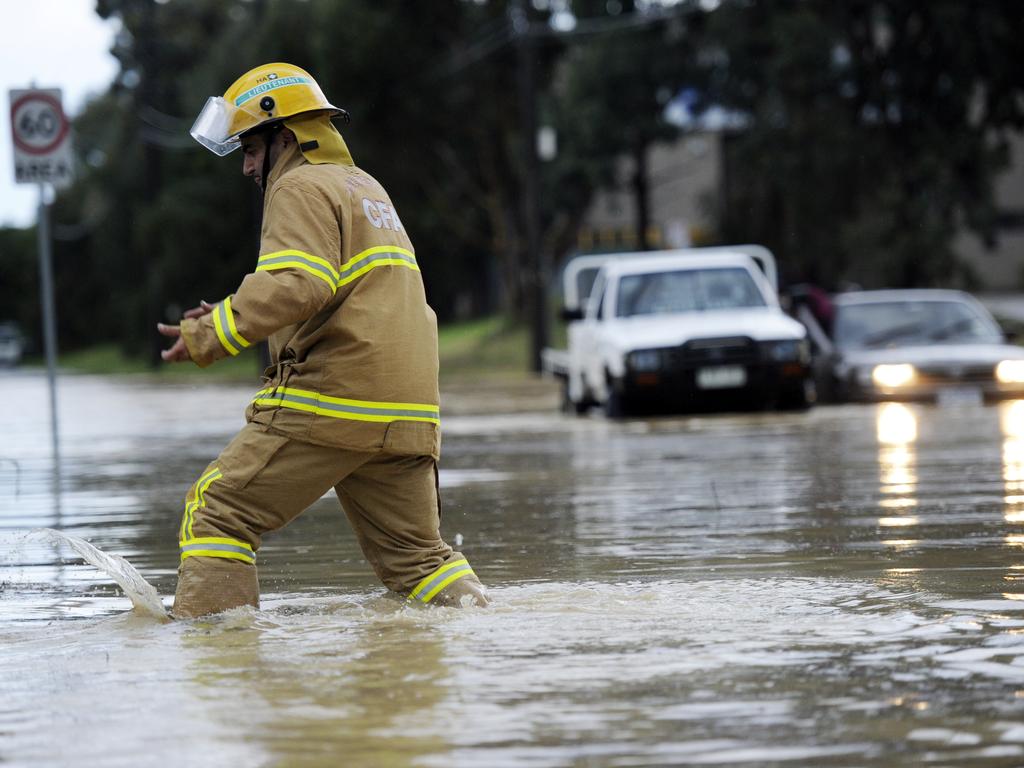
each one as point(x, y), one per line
point(684, 184)
point(687, 182)
point(999, 265)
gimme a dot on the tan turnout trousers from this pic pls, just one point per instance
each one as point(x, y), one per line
point(264, 479)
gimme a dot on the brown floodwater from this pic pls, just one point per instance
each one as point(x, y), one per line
point(843, 587)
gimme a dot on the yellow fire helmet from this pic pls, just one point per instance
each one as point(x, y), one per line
point(264, 95)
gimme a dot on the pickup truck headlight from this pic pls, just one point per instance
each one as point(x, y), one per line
point(787, 351)
point(893, 376)
point(1010, 372)
point(644, 360)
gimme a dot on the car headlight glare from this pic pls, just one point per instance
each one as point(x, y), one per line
point(1010, 372)
point(645, 360)
point(892, 376)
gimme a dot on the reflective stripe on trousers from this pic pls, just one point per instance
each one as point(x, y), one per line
point(209, 546)
point(447, 574)
point(217, 546)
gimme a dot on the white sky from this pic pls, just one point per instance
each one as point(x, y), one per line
point(58, 44)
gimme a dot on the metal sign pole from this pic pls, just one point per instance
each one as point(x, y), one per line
point(43, 156)
point(49, 320)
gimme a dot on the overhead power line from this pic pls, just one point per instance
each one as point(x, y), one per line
point(496, 34)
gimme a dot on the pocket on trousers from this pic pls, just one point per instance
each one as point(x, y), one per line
point(246, 455)
point(413, 438)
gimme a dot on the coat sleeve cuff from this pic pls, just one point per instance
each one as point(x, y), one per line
point(194, 331)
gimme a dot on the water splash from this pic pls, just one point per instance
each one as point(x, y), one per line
point(143, 595)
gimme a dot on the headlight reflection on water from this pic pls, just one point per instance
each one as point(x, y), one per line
point(896, 424)
point(1011, 420)
point(896, 427)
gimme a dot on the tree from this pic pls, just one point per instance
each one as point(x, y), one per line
point(617, 82)
point(874, 130)
point(19, 286)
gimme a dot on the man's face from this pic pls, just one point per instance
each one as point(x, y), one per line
point(255, 147)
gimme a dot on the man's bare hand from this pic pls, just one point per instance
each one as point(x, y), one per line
point(178, 352)
point(204, 308)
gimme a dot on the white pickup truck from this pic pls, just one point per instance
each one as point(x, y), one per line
point(691, 329)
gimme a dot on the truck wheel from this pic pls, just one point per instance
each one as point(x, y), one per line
point(795, 399)
point(826, 385)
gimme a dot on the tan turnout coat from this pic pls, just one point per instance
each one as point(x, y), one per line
point(338, 294)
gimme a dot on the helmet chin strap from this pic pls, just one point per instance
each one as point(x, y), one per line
point(268, 138)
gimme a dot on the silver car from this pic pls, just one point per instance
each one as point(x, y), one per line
point(919, 344)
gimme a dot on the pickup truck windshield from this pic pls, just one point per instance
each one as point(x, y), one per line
point(687, 290)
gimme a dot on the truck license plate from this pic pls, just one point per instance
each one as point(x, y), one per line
point(721, 377)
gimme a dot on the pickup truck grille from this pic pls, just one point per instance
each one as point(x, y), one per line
point(733, 350)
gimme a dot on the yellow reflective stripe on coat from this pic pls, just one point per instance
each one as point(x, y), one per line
point(441, 578)
point(345, 408)
point(217, 546)
point(224, 325)
point(307, 262)
point(198, 501)
point(379, 256)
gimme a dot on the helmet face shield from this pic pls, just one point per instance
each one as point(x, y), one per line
point(221, 123)
point(212, 128)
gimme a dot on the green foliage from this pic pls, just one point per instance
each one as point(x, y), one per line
point(611, 102)
point(875, 131)
point(19, 287)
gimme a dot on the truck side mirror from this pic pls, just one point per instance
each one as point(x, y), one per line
point(569, 314)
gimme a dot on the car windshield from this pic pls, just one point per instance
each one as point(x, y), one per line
point(904, 323)
point(689, 290)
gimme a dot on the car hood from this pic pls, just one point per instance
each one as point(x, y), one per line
point(926, 355)
point(654, 331)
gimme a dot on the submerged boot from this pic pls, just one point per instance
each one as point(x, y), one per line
point(212, 584)
point(449, 584)
point(452, 595)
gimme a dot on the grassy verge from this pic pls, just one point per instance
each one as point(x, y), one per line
point(489, 347)
point(108, 359)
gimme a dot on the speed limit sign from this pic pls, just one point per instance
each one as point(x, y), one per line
point(41, 134)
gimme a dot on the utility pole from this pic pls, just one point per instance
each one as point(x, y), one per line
point(536, 277)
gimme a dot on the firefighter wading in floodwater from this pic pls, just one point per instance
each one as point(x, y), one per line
point(351, 400)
